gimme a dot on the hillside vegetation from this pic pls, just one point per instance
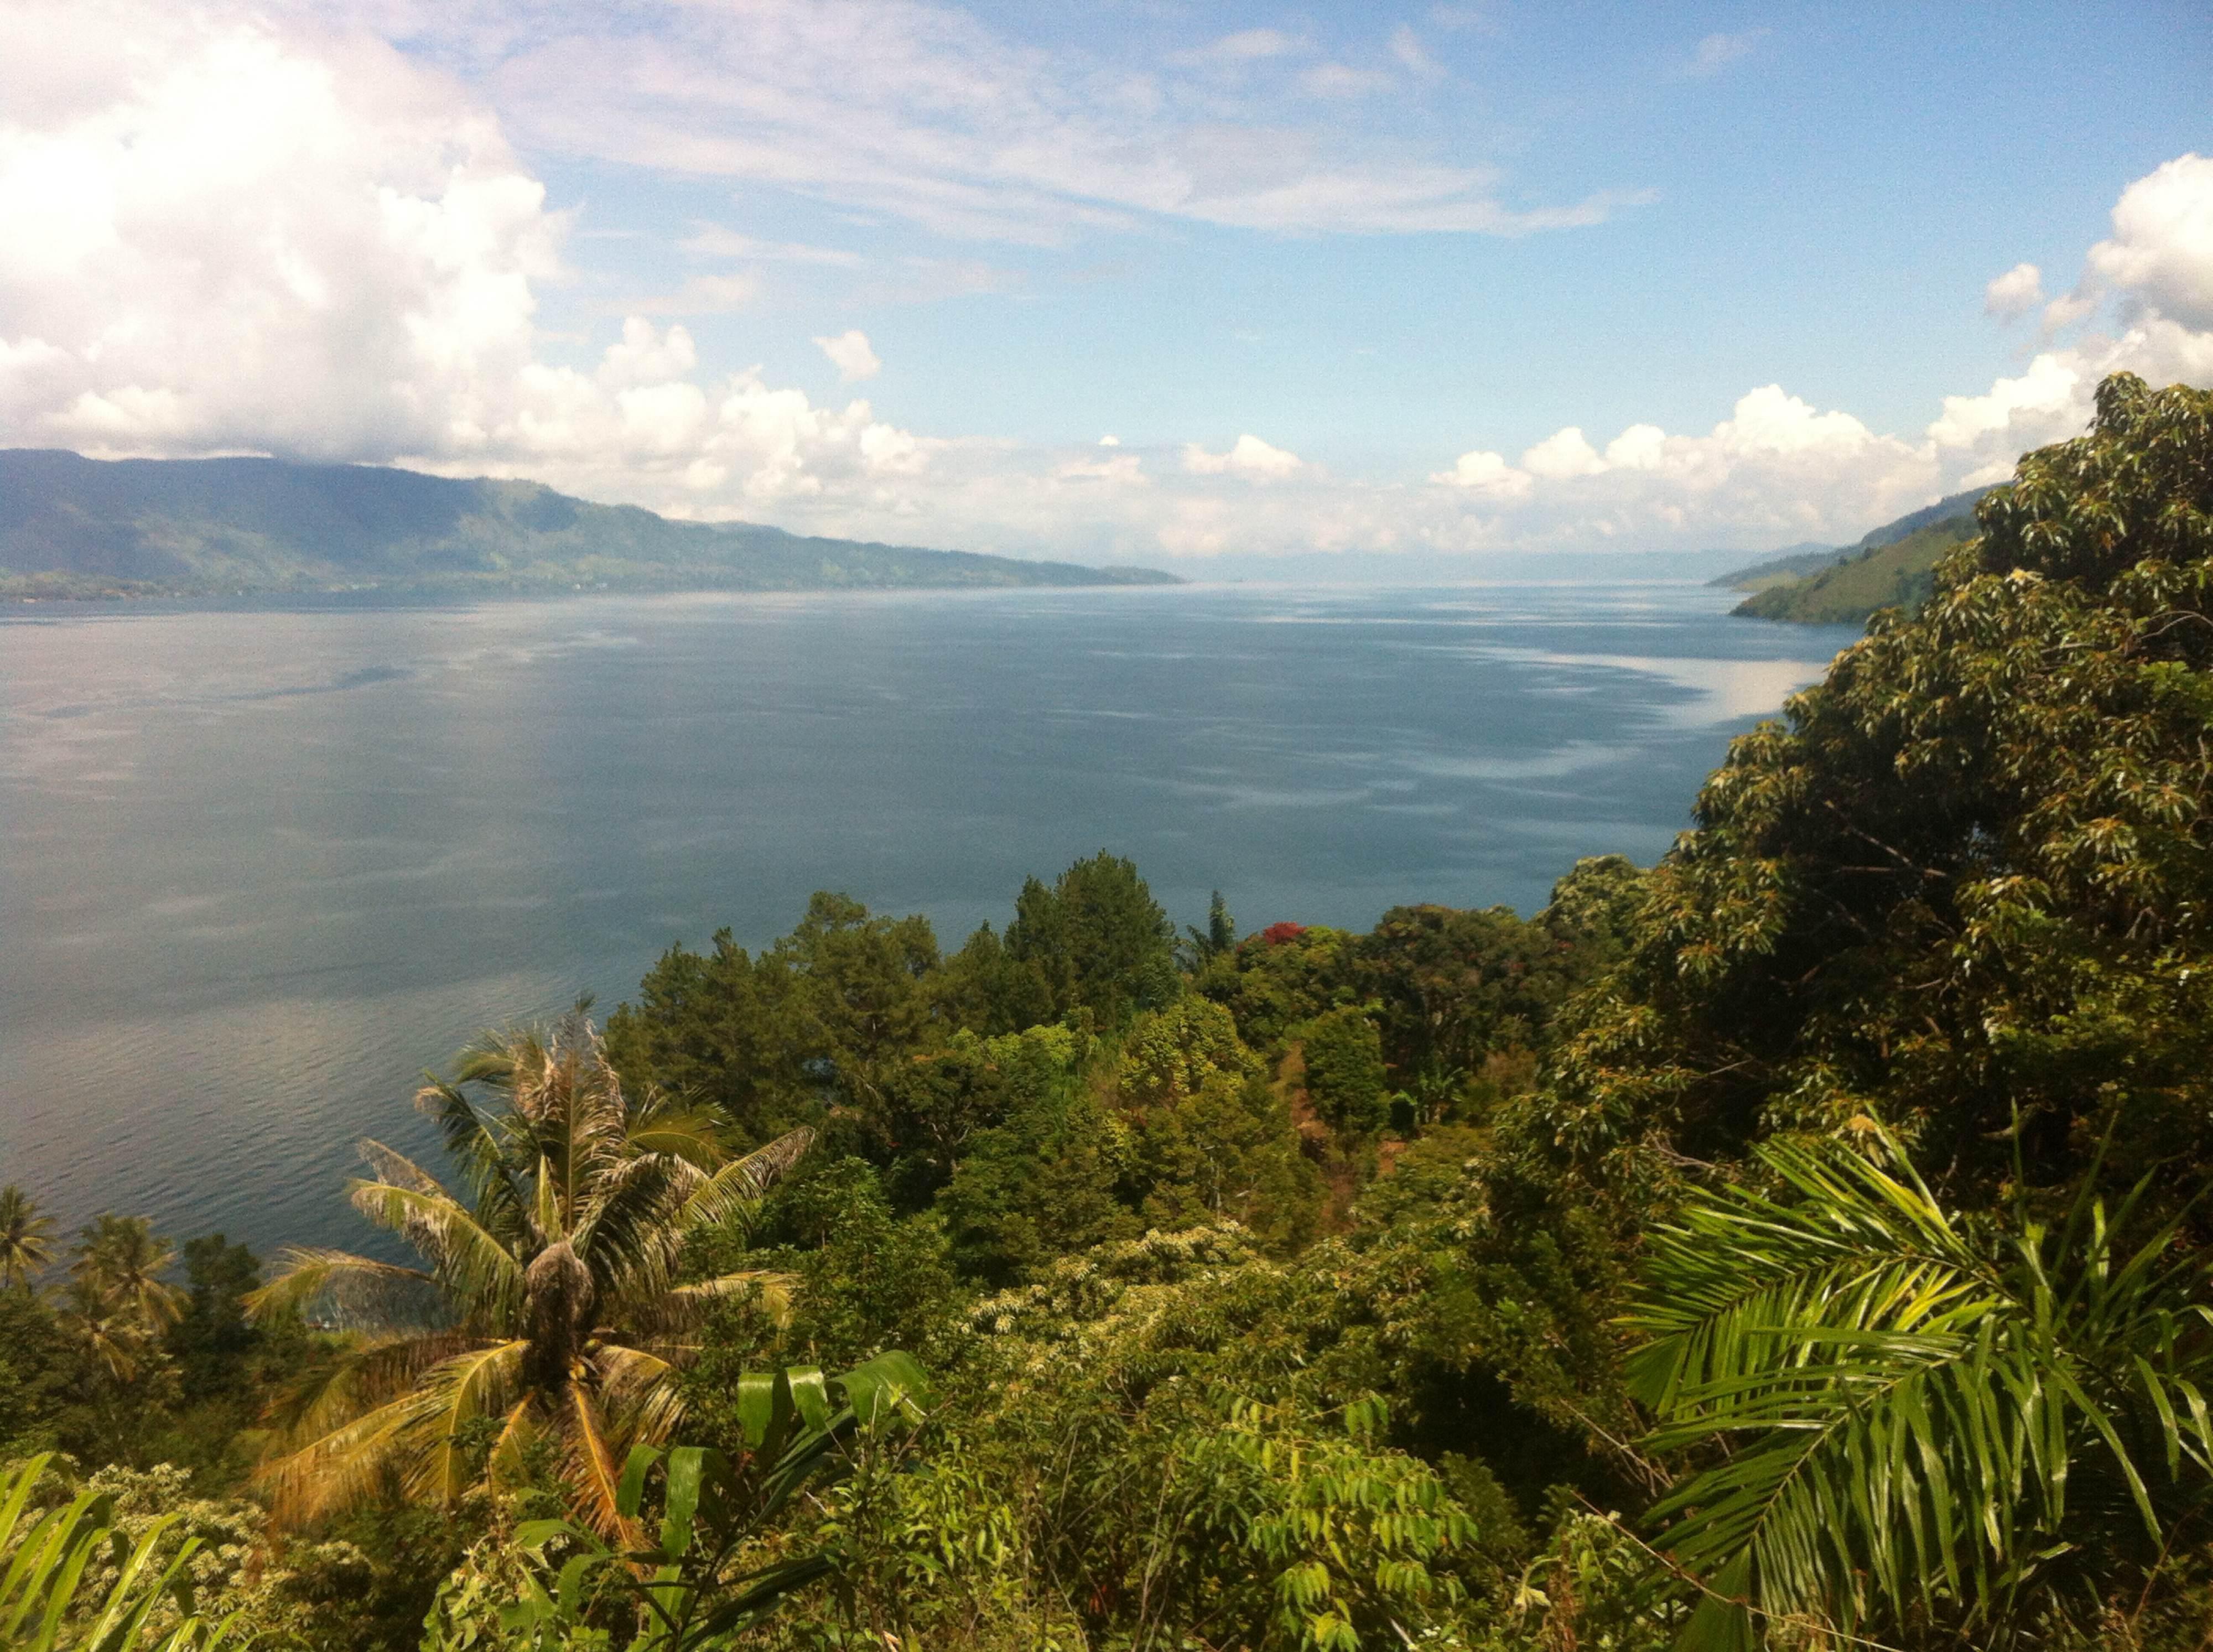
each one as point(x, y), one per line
point(1889, 566)
point(1899, 575)
point(75, 527)
point(1801, 1244)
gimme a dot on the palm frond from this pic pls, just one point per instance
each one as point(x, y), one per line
point(594, 1475)
point(735, 1190)
point(686, 1308)
point(482, 1275)
point(475, 1144)
point(365, 1373)
point(641, 1389)
point(410, 1436)
point(1919, 1420)
point(473, 1386)
point(626, 1228)
point(358, 1289)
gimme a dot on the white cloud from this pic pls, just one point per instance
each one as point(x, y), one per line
point(1110, 440)
point(1487, 473)
point(926, 113)
point(644, 357)
point(1718, 51)
point(1122, 467)
point(1562, 454)
point(1248, 456)
point(1247, 46)
point(849, 352)
point(1406, 47)
point(1337, 80)
point(718, 240)
point(229, 236)
point(233, 243)
point(2161, 250)
point(2049, 394)
point(2016, 293)
point(1639, 448)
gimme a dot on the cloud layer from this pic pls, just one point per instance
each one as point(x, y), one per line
point(219, 234)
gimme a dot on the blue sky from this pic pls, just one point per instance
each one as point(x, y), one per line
point(1333, 276)
point(1826, 209)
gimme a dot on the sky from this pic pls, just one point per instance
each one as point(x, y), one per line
point(1124, 281)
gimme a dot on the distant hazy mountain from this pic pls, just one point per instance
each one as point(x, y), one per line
point(1780, 569)
point(77, 527)
point(1891, 567)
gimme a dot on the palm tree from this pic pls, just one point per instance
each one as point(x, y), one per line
point(1979, 1426)
point(115, 1336)
point(550, 1305)
point(25, 1249)
point(118, 1262)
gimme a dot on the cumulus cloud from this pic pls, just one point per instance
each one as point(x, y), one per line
point(1562, 454)
point(2161, 249)
point(2016, 293)
point(1248, 456)
point(221, 236)
point(220, 241)
point(849, 352)
point(1485, 472)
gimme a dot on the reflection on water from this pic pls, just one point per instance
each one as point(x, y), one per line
point(262, 867)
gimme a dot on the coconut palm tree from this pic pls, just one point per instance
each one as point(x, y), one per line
point(550, 1305)
point(118, 1262)
point(25, 1249)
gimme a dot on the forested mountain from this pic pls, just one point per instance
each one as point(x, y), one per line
point(1891, 566)
point(1802, 1243)
point(71, 526)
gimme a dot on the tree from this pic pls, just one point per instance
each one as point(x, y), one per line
point(212, 1339)
point(119, 1261)
point(1218, 939)
point(25, 1248)
point(1098, 940)
point(1967, 887)
point(815, 1021)
point(1171, 1054)
point(550, 1305)
point(1344, 1071)
point(1984, 1428)
point(1278, 977)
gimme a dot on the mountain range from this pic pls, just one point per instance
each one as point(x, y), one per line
point(75, 527)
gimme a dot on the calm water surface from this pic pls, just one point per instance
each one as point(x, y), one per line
point(262, 867)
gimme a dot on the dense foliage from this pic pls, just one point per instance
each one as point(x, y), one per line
point(1798, 1244)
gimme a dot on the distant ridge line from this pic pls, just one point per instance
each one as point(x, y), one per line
point(75, 527)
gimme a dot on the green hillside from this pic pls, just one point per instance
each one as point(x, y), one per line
point(77, 527)
point(1899, 574)
point(1887, 566)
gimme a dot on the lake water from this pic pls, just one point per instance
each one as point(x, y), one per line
point(263, 865)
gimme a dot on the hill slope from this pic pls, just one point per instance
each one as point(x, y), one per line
point(71, 526)
point(1781, 568)
point(1890, 566)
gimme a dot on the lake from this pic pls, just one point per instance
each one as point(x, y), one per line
point(263, 864)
